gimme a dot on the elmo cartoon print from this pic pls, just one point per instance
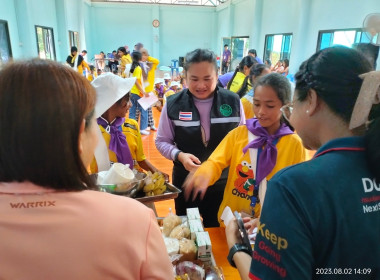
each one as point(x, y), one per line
point(245, 177)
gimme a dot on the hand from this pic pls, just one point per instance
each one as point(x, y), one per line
point(146, 94)
point(233, 234)
point(250, 224)
point(195, 184)
point(166, 176)
point(189, 161)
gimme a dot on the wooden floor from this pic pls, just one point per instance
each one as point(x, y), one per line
point(161, 163)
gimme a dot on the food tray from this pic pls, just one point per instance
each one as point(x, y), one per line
point(170, 193)
point(160, 221)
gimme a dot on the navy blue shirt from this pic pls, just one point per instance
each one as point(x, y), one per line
point(321, 218)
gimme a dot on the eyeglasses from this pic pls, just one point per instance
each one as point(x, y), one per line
point(287, 111)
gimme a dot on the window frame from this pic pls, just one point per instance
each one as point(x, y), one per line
point(8, 41)
point(74, 39)
point(321, 32)
point(52, 40)
point(281, 53)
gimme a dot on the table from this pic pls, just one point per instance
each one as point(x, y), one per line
point(220, 252)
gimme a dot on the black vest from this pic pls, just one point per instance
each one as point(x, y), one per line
point(225, 116)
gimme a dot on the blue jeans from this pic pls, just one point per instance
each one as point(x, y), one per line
point(132, 112)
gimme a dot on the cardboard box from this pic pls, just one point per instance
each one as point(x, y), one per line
point(195, 226)
point(193, 214)
point(204, 246)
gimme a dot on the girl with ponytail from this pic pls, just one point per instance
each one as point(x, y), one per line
point(257, 71)
point(239, 82)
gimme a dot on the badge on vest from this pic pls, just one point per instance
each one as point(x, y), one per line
point(185, 116)
point(226, 110)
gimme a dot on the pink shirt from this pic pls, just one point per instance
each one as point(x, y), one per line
point(77, 235)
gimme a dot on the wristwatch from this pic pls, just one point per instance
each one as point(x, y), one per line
point(234, 249)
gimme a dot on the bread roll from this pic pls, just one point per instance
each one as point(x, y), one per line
point(170, 222)
point(180, 232)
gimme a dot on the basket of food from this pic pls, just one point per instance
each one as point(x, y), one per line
point(118, 179)
point(155, 188)
point(189, 246)
point(144, 187)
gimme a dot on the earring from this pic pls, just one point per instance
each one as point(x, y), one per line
point(307, 111)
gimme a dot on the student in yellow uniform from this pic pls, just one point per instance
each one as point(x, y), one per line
point(92, 75)
point(257, 71)
point(254, 152)
point(121, 135)
point(172, 90)
point(168, 80)
point(76, 61)
point(151, 64)
point(125, 59)
point(138, 91)
point(240, 79)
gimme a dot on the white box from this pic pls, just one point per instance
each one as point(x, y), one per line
point(204, 246)
point(193, 213)
point(195, 226)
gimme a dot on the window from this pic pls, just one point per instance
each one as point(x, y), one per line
point(277, 47)
point(74, 39)
point(345, 37)
point(238, 47)
point(45, 42)
point(5, 44)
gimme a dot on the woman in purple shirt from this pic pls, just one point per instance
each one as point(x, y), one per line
point(192, 124)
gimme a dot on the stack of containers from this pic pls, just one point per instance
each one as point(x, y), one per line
point(201, 237)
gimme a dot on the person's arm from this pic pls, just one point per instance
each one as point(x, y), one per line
point(210, 170)
point(280, 69)
point(68, 60)
point(123, 62)
point(242, 114)
point(166, 146)
point(165, 136)
point(141, 159)
point(154, 61)
point(85, 65)
point(138, 74)
point(146, 165)
point(286, 71)
point(241, 259)
point(157, 264)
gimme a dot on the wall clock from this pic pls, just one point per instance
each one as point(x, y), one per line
point(156, 23)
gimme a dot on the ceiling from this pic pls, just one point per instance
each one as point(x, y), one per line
point(212, 3)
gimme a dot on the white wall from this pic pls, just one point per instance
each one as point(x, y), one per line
point(7, 13)
point(242, 15)
point(181, 29)
point(303, 18)
point(29, 14)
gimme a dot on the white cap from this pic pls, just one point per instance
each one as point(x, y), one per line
point(167, 76)
point(109, 89)
point(174, 83)
point(158, 81)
